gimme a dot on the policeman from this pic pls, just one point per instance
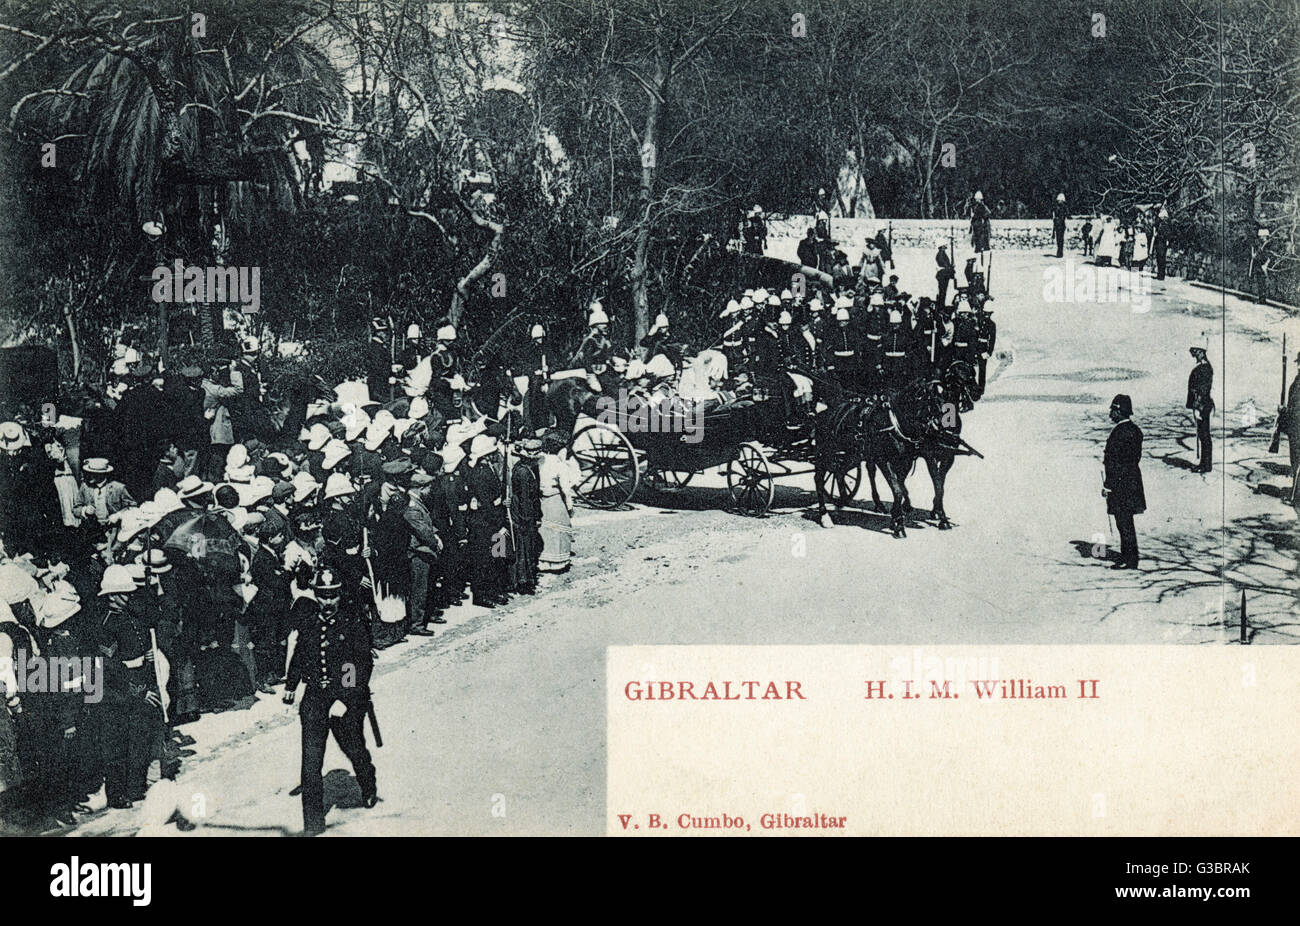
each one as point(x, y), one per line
point(334, 660)
point(794, 347)
point(760, 339)
point(131, 704)
point(1200, 399)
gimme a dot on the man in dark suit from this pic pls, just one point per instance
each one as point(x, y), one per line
point(807, 250)
point(1122, 487)
point(1200, 399)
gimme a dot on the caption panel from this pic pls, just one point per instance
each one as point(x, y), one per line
point(896, 740)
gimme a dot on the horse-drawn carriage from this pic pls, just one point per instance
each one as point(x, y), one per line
point(753, 441)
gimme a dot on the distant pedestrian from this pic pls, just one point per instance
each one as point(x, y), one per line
point(1122, 485)
point(1086, 234)
point(1161, 242)
point(1200, 399)
point(1058, 224)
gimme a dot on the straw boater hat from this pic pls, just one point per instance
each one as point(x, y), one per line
point(155, 560)
point(12, 436)
point(257, 489)
point(97, 466)
point(192, 486)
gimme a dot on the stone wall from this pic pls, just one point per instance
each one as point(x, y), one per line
point(1010, 234)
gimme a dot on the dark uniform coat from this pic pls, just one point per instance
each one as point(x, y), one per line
point(1122, 458)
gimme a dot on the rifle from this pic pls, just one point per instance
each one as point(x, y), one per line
point(1282, 410)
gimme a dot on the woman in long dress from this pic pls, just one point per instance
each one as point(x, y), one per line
point(555, 476)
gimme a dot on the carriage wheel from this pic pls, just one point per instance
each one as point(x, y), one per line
point(842, 484)
point(670, 480)
point(609, 466)
point(749, 479)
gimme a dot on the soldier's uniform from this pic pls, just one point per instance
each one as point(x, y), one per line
point(986, 336)
point(873, 350)
point(760, 346)
point(332, 656)
point(896, 347)
point(842, 356)
point(965, 336)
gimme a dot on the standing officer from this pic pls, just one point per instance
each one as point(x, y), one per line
point(1122, 486)
point(1200, 399)
point(333, 658)
point(895, 354)
point(1058, 224)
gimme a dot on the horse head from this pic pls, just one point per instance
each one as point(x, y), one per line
point(961, 385)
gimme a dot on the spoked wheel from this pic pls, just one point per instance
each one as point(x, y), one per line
point(669, 480)
point(749, 479)
point(841, 481)
point(608, 463)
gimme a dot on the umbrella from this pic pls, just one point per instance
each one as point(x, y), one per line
point(209, 539)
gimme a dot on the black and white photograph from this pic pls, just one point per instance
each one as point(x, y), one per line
point(374, 373)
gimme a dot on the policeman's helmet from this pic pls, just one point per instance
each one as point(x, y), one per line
point(841, 315)
point(327, 584)
point(537, 332)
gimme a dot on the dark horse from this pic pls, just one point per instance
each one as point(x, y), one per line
point(960, 389)
point(885, 433)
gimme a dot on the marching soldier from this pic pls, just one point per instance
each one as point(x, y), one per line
point(842, 357)
point(1122, 485)
point(1200, 399)
point(896, 347)
point(965, 334)
point(872, 354)
point(333, 658)
point(986, 336)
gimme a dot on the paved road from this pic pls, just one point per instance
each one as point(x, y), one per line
point(497, 724)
